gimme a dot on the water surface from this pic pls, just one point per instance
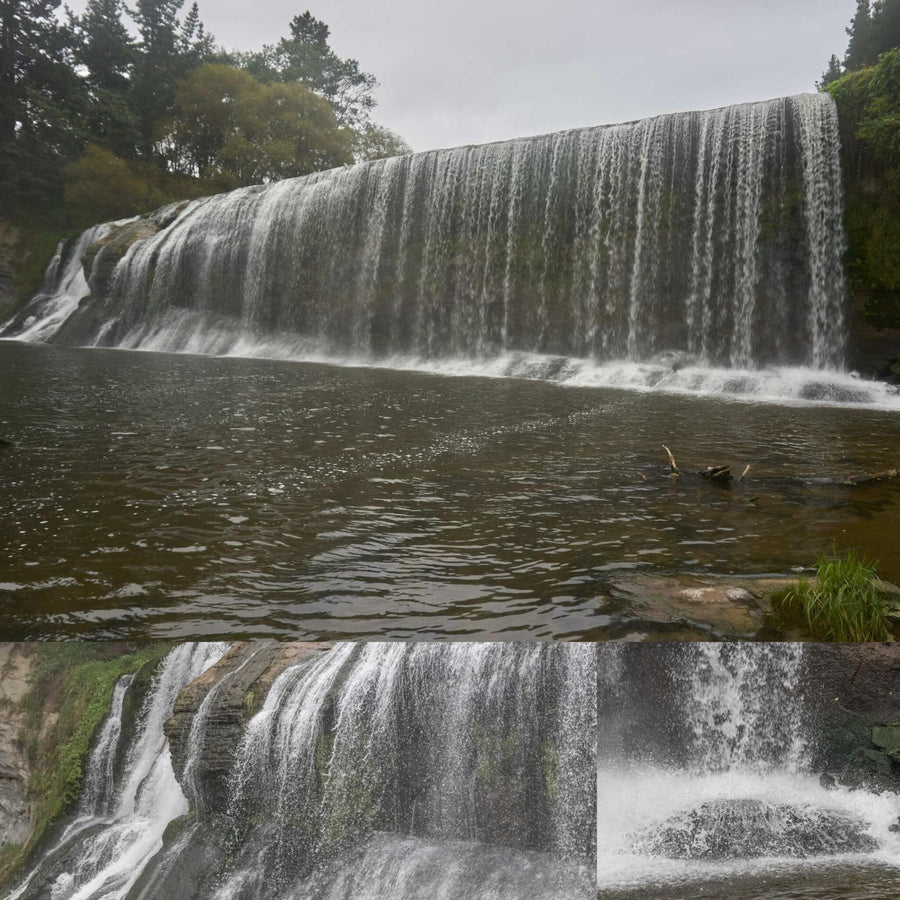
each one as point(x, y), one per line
point(156, 495)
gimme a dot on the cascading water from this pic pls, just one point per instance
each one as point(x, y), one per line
point(465, 745)
point(120, 822)
point(64, 285)
point(665, 253)
point(722, 787)
point(404, 770)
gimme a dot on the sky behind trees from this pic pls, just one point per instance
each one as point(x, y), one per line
point(472, 71)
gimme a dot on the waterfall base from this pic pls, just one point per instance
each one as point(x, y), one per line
point(406, 868)
point(735, 829)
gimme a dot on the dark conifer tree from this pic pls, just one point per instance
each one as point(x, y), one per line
point(862, 48)
point(40, 100)
point(832, 73)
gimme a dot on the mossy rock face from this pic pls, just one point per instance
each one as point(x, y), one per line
point(887, 738)
point(241, 679)
point(102, 257)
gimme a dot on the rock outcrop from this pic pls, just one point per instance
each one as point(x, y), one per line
point(241, 681)
point(857, 689)
point(15, 804)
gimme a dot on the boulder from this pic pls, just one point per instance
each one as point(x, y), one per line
point(747, 829)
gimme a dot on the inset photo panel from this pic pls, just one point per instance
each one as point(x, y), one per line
point(748, 771)
point(279, 771)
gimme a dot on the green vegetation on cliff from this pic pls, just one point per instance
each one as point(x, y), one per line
point(71, 692)
point(868, 103)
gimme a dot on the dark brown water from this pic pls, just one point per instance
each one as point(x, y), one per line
point(174, 496)
point(822, 882)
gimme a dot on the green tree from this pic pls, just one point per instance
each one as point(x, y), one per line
point(227, 123)
point(375, 142)
point(307, 58)
point(832, 73)
point(108, 53)
point(105, 48)
point(41, 98)
point(100, 187)
point(168, 51)
point(862, 48)
point(886, 24)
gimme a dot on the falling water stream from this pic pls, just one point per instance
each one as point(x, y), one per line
point(371, 770)
point(665, 254)
point(721, 800)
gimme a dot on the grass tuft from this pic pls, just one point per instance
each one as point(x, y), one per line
point(843, 603)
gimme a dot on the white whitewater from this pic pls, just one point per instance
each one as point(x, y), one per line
point(409, 868)
point(119, 828)
point(63, 286)
point(745, 766)
point(580, 256)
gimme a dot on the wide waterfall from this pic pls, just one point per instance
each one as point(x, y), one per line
point(699, 240)
point(723, 785)
point(401, 770)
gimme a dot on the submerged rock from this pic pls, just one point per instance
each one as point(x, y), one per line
point(745, 829)
point(726, 608)
point(675, 359)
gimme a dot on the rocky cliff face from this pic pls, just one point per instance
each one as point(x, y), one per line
point(856, 687)
point(241, 680)
point(15, 805)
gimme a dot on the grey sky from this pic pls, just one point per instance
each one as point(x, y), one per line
point(470, 71)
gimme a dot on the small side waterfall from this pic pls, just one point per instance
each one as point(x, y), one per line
point(64, 285)
point(724, 786)
point(712, 239)
point(119, 825)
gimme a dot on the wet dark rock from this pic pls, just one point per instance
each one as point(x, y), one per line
point(856, 690)
point(102, 257)
point(828, 781)
point(675, 359)
point(743, 829)
point(242, 678)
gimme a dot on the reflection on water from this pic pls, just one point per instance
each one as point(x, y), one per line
point(171, 495)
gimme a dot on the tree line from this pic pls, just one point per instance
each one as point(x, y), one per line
point(120, 109)
point(874, 29)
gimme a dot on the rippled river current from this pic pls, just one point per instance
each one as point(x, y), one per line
point(171, 496)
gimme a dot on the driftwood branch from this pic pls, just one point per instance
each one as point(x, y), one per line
point(723, 475)
point(673, 466)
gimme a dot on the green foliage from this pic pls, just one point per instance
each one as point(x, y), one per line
point(874, 29)
point(305, 57)
point(844, 603)
point(868, 103)
point(71, 691)
point(82, 99)
point(101, 187)
point(374, 142)
point(227, 123)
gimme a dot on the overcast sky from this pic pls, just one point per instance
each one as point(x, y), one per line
point(456, 72)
